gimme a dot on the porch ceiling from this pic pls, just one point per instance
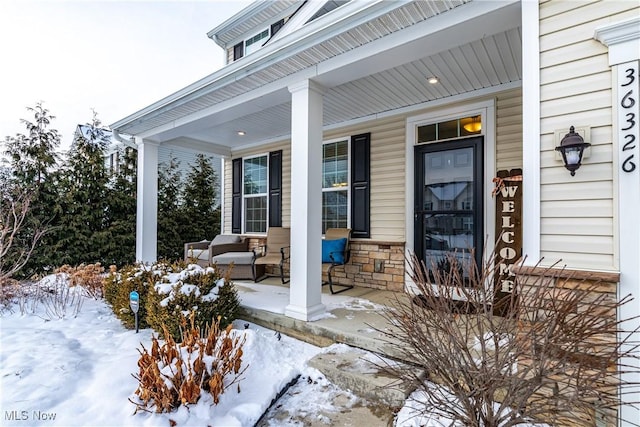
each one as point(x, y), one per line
point(467, 50)
point(492, 61)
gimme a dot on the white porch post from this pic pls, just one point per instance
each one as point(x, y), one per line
point(623, 40)
point(305, 300)
point(147, 203)
point(531, 131)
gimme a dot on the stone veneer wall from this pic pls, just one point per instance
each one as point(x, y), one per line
point(594, 285)
point(361, 268)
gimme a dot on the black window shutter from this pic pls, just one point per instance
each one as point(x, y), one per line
point(360, 185)
point(275, 188)
point(276, 27)
point(238, 51)
point(236, 196)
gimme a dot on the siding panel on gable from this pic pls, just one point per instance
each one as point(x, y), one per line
point(577, 213)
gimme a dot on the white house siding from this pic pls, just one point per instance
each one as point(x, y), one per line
point(509, 130)
point(577, 213)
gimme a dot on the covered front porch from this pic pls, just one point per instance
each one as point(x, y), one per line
point(359, 74)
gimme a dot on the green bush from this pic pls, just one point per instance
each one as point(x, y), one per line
point(169, 293)
point(118, 285)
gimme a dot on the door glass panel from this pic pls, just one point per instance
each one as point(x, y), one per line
point(448, 207)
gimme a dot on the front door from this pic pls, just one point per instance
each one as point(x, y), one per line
point(448, 202)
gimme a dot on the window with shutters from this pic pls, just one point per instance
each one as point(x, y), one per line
point(335, 184)
point(255, 194)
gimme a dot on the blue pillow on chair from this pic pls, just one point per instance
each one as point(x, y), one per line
point(335, 249)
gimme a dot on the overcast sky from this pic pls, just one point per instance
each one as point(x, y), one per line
point(116, 57)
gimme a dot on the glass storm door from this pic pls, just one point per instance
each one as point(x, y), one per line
point(448, 203)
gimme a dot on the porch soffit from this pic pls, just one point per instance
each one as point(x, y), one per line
point(478, 64)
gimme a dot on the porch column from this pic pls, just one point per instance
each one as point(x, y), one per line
point(305, 302)
point(147, 201)
point(623, 41)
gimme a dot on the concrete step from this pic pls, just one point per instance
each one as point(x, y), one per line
point(343, 413)
point(363, 374)
point(357, 328)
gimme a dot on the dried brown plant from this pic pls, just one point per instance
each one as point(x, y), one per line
point(89, 276)
point(555, 353)
point(173, 374)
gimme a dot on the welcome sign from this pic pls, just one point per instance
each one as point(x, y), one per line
point(508, 195)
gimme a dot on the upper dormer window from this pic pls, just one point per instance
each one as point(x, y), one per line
point(254, 43)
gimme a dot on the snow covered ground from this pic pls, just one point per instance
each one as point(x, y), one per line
point(77, 371)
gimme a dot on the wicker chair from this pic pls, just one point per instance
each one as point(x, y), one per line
point(275, 252)
point(335, 259)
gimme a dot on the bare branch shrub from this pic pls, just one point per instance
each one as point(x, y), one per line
point(554, 355)
point(60, 301)
point(9, 295)
point(88, 276)
point(29, 297)
point(15, 208)
point(175, 374)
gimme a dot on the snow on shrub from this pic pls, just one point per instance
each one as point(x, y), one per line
point(169, 293)
point(173, 374)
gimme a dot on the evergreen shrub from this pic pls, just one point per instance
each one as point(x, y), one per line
point(169, 293)
point(120, 283)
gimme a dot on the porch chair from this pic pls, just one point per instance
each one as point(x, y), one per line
point(335, 253)
point(203, 252)
point(276, 251)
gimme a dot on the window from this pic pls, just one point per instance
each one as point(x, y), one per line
point(255, 194)
point(335, 184)
point(114, 160)
point(254, 43)
point(238, 51)
point(466, 126)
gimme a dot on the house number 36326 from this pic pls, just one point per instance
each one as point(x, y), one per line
point(628, 116)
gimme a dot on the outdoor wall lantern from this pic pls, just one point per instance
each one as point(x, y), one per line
point(572, 147)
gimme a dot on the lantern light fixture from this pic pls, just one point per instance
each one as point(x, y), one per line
point(572, 148)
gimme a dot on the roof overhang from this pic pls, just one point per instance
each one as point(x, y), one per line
point(254, 89)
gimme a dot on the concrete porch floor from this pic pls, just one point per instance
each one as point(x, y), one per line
point(353, 317)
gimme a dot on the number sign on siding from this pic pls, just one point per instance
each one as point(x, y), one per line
point(628, 117)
